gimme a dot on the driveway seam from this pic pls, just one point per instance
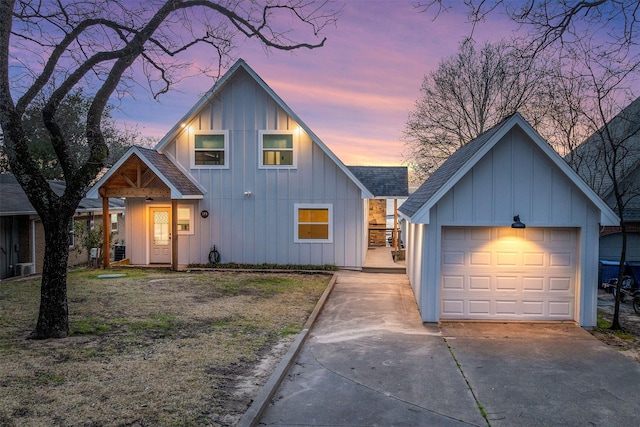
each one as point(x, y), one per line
point(389, 395)
point(483, 413)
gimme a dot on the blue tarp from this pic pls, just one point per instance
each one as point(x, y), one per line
point(609, 270)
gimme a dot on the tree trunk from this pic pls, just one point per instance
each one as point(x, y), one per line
point(615, 324)
point(53, 319)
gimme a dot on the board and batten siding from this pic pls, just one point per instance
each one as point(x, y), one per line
point(260, 228)
point(514, 178)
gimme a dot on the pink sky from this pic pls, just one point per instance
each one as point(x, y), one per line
point(354, 93)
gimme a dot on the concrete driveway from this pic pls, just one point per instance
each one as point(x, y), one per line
point(545, 375)
point(371, 361)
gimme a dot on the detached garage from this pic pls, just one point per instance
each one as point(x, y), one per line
point(505, 230)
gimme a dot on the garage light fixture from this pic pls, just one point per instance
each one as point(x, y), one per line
point(517, 223)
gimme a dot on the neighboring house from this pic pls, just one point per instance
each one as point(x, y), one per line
point(590, 160)
point(243, 173)
point(22, 233)
point(469, 258)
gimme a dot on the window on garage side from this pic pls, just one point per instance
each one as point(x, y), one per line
point(277, 150)
point(210, 150)
point(314, 223)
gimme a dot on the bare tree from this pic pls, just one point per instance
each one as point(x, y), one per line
point(550, 22)
point(609, 161)
point(474, 90)
point(105, 45)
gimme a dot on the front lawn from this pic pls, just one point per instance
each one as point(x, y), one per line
point(151, 348)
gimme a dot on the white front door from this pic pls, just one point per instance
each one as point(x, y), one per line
point(508, 274)
point(160, 235)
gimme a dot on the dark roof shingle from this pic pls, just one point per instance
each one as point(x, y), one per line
point(171, 172)
point(383, 181)
point(14, 201)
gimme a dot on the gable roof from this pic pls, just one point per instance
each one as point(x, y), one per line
point(14, 201)
point(417, 207)
point(385, 182)
point(241, 65)
point(589, 158)
point(178, 180)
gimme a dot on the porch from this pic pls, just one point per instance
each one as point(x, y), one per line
point(380, 260)
point(153, 187)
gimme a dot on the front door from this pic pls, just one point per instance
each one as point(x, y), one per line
point(160, 235)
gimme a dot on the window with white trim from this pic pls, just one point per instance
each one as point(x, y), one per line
point(185, 219)
point(313, 223)
point(211, 149)
point(277, 149)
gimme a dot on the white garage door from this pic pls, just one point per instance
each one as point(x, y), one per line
point(505, 273)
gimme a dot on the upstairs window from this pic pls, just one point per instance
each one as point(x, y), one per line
point(211, 150)
point(314, 223)
point(277, 150)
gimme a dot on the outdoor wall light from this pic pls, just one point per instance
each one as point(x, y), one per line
point(247, 194)
point(517, 223)
point(149, 199)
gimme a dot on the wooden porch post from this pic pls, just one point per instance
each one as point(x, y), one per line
point(174, 234)
point(106, 233)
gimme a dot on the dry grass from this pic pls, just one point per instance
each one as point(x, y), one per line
point(151, 349)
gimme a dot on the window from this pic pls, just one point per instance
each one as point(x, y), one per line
point(114, 222)
point(210, 150)
point(185, 220)
point(313, 223)
point(277, 149)
point(72, 234)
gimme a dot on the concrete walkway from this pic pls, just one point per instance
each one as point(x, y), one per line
point(369, 360)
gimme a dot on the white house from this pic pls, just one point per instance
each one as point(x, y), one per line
point(243, 173)
point(468, 256)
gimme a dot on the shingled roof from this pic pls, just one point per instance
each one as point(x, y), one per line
point(175, 176)
point(14, 201)
point(389, 182)
point(178, 181)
